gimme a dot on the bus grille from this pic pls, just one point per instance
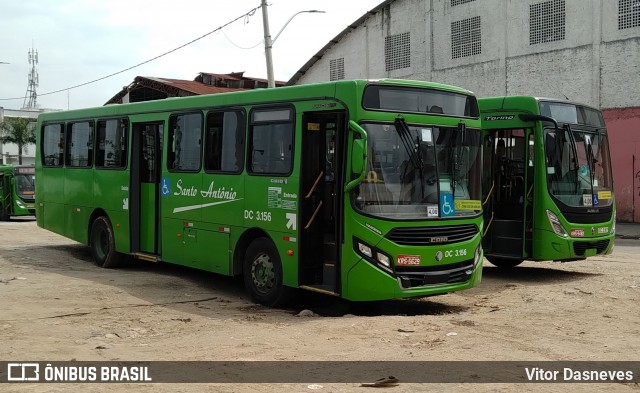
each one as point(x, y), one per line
point(432, 275)
point(579, 248)
point(429, 236)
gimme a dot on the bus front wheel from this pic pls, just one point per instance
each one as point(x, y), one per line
point(103, 245)
point(3, 215)
point(504, 262)
point(262, 271)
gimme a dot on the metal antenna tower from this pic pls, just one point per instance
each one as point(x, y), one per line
point(31, 95)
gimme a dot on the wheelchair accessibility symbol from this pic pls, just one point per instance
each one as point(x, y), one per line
point(166, 186)
point(447, 207)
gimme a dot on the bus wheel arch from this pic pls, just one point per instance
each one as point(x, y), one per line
point(102, 242)
point(263, 274)
point(241, 248)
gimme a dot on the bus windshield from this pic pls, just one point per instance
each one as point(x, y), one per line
point(578, 166)
point(429, 177)
point(25, 185)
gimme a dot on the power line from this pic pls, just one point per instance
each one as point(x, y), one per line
point(238, 46)
point(245, 15)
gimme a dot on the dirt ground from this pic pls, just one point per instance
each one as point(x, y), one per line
point(56, 305)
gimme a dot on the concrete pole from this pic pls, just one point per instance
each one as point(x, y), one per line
point(267, 45)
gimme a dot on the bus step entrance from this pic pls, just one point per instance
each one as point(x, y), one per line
point(507, 238)
point(146, 257)
point(329, 274)
point(329, 251)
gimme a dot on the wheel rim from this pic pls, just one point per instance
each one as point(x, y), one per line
point(263, 273)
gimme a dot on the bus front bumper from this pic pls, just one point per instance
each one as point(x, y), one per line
point(366, 282)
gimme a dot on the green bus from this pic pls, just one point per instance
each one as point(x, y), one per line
point(367, 190)
point(548, 185)
point(17, 191)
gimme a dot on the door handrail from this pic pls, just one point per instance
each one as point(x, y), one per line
point(313, 217)
point(489, 194)
point(315, 184)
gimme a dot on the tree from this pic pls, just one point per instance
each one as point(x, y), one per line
point(18, 130)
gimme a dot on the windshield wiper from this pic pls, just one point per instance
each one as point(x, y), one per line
point(574, 149)
point(413, 150)
point(405, 136)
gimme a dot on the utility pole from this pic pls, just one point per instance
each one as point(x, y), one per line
point(268, 42)
point(33, 82)
point(267, 45)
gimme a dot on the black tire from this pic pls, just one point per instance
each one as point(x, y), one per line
point(262, 271)
point(103, 244)
point(505, 263)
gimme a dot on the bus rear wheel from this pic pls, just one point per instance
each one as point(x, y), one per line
point(103, 245)
point(262, 271)
point(504, 262)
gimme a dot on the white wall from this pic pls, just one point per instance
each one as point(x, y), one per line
point(596, 63)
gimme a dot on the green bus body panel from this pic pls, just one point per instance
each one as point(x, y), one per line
point(203, 217)
point(111, 188)
point(547, 245)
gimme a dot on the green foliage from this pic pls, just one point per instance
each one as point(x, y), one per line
point(18, 130)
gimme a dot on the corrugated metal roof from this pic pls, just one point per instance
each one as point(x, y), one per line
point(194, 87)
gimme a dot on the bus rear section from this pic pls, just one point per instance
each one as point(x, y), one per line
point(17, 191)
point(548, 182)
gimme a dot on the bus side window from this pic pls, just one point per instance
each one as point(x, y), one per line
point(224, 145)
point(52, 145)
point(79, 152)
point(112, 143)
point(185, 137)
point(271, 137)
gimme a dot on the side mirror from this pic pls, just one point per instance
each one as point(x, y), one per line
point(357, 156)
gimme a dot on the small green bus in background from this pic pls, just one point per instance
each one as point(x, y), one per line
point(366, 190)
point(17, 191)
point(548, 185)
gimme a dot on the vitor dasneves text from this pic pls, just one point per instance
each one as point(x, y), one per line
point(569, 374)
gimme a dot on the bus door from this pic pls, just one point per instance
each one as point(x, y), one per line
point(512, 185)
point(144, 205)
point(321, 200)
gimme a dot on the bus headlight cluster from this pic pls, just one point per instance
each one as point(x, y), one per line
point(20, 204)
point(556, 225)
point(372, 254)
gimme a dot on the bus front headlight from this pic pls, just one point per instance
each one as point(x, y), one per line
point(477, 258)
point(364, 249)
point(383, 259)
point(556, 225)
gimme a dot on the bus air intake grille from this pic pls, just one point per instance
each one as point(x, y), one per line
point(430, 236)
point(435, 275)
point(579, 248)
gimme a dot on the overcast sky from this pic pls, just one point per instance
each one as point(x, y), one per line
point(82, 40)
